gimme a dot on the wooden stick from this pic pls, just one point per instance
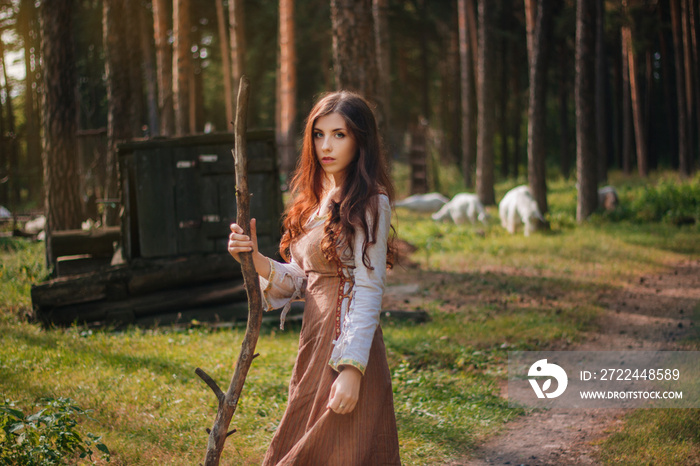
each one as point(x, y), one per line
point(229, 402)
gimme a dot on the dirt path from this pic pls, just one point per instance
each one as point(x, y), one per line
point(651, 313)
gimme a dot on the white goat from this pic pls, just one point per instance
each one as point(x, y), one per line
point(608, 198)
point(462, 207)
point(423, 202)
point(518, 204)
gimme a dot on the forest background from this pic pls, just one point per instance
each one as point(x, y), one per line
point(496, 89)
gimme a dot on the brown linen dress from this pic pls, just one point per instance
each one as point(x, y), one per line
point(310, 433)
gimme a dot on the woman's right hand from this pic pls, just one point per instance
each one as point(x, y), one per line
point(239, 242)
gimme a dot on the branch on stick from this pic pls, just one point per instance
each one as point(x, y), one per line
point(229, 401)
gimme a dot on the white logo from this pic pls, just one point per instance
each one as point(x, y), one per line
point(542, 368)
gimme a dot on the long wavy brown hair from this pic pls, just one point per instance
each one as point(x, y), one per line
point(366, 177)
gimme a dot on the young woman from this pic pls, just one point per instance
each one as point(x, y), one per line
point(337, 248)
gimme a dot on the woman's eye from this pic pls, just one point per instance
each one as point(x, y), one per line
point(339, 135)
point(318, 135)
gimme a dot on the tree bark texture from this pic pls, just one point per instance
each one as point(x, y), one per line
point(486, 104)
point(182, 65)
point(684, 149)
point(354, 47)
point(636, 94)
point(287, 89)
point(164, 67)
point(62, 196)
point(586, 160)
point(536, 134)
point(225, 61)
point(693, 10)
point(236, 24)
point(229, 401)
point(132, 32)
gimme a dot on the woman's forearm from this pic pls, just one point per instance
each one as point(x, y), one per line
point(262, 265)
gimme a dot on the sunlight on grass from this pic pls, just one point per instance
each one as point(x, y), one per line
point(486, 293)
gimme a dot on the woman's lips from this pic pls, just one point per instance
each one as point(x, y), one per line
point(327, 159)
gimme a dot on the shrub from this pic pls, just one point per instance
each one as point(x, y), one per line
point(47, 437)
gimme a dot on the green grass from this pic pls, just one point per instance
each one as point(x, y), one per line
point(486, 292)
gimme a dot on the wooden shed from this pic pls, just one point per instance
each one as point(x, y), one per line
point(177, 202)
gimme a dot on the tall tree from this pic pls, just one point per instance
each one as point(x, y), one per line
point(586, 160)
point(164, 67)
point(11, 142)
point(640, 138)
point(691, 84)
point(236, 22)
point(120, 107)
point(145, 33)
point(467, 94)
point(601, 70)
point(182, 65)
point(627, 132)
point(380, 9)
point(485, 103)
point(539, 50)
point(354, 47)
point(684, 145)
point(225, 61)
point(286, 88)
point(28, 24)
point(62, 197)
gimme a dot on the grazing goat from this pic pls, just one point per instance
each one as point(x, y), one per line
point(608, 198)
point(518, 204)
point(423, 202)
point(462, 207)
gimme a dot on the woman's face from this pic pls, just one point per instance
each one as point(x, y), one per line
point(335, 146)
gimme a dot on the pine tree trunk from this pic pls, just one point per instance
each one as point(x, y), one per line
point(354, 49)
point(225, 61)
point(236, 24)
point(564, 137)
point(467, 95)
point(627, 140)
point(486, 104)
point(516, 121)
point(503, 95)
point(148, 70)
point(182, 65)
point(537, 105)
point(11, 142)
point(601, 70)
point(684, 149)
point(62, 197)
point(120, 96)
point(31, 110)
point(380, 10)
point(286, 89)
point(693, 11)
point(164, 67)
point(4, 158)
point(586, 160)
point(690, 76)
point(132, 33)
point(637, 117)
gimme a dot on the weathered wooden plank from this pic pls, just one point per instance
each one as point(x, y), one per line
point(98, 242)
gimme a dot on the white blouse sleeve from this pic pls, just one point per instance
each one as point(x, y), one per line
point(286, 283)
point(360, 323)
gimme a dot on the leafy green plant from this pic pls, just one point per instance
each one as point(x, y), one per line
point(48, 437)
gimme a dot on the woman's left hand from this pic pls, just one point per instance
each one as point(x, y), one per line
point(345, 390)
